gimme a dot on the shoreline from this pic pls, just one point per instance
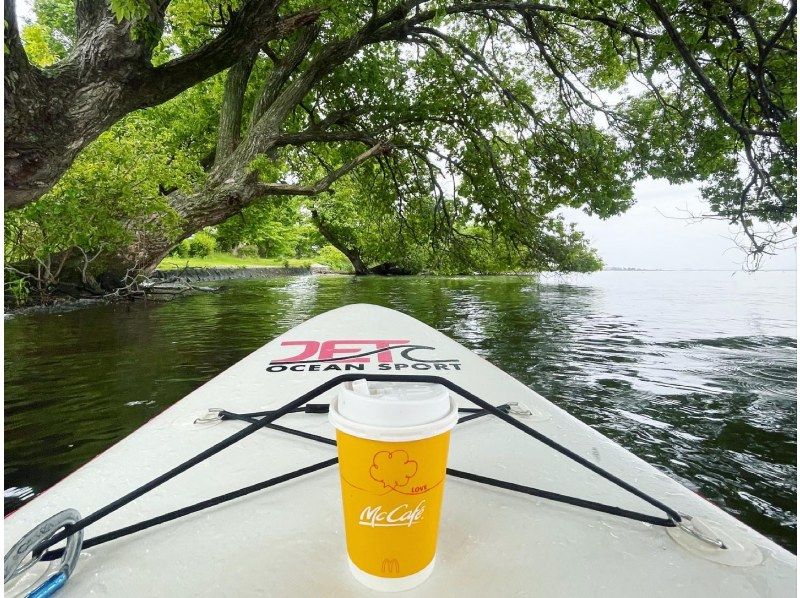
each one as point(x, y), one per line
point(165, 285)
point(192, 274)
point(170, 283)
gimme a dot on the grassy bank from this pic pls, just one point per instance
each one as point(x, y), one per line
point(226, 260)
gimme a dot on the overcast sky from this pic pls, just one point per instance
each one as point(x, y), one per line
point(657, 233)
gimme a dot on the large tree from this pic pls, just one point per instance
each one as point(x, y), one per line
point(500, 111)
point(52, 113)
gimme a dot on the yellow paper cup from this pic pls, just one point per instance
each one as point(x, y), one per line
point(392, 440)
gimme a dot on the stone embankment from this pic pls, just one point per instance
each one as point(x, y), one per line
point(164, 285)
point(192, 275)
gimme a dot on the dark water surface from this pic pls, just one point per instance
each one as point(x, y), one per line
point(695, 372)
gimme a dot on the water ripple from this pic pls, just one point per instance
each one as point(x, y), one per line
point(693, 372)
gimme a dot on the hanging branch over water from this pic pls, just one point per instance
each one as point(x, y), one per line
point(498, 112)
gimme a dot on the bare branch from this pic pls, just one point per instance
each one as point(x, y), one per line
point(318, 136)
point(324, 184)
point(533, 7)
point(702, 78)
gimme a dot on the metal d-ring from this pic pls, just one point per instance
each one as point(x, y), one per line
point(212, 416)
point(515, 409)
point(686, 525)
point(14, 562)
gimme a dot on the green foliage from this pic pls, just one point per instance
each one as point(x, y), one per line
point(201, 244)
point(18, 287)
point(329, 256)
point(276, 227)
point(488, 141)
point(51, 36)
point(249, 251)
point(129, 9)
point(113, 183)
point(57, 16)
point(188, 21)
point(41, 46)
point(115, 193)
point(749, 178)
point(181, 249)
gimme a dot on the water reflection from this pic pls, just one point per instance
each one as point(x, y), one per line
point(700, 383)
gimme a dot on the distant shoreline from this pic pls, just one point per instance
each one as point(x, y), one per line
point(696, 270)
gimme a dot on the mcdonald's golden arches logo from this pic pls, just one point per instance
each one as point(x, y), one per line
point(390, 566)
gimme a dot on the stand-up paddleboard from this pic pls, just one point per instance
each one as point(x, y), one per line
point(288, 539)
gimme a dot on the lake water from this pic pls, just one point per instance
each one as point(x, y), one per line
point(695, 372)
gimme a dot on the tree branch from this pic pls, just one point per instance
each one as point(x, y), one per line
point(16, 60)
point(279, 75)
point(255, 24)
point(324, 184)
point(89, 14)
point(691, 62)
point(532, 7)
point(317, 136)
point(480, 64)
point(230, 117)
point(790, 17)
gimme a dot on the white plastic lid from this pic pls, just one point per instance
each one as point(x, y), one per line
point(393, 410)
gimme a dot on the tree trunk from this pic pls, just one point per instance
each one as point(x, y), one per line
point(229, 131)
point(348, 249)
point(51, 114)
point(231, 185)
point(209, 206)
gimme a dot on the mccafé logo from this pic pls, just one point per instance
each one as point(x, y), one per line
point(354, 355)
point(400, 516)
